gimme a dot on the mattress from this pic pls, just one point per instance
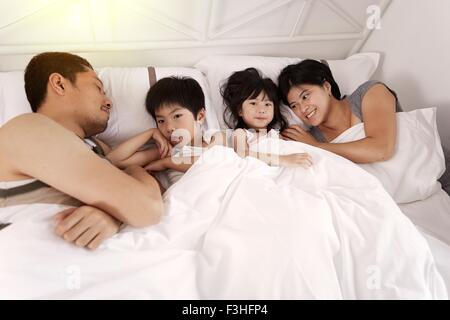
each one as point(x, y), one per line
point(432, 217)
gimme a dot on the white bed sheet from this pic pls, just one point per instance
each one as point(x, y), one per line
point(246, 231)
point(432, 217)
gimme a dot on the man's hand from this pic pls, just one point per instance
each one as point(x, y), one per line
point(85, 226)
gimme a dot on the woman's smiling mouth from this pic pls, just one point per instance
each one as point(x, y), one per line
point(311, 114)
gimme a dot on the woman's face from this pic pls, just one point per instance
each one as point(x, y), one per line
point(311, 103)
point(257, 113)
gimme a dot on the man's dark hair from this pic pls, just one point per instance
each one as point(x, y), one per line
point(43, 65)
point(183, 91)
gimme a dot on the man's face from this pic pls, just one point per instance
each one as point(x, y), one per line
point(91, 106)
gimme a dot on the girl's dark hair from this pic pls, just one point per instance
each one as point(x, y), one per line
point(248, 84)
point(183, 91)
point(306, 72)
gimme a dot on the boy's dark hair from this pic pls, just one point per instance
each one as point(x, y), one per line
point(183, 91)
point(244, 85)
point(43, 65)
point(306, 72)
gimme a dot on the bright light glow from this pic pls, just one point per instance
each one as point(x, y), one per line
point(75, 15)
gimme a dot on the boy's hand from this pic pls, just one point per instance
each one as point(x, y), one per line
point(85, 226)
point(158, 165)
point(296, 160)
point(165, 148)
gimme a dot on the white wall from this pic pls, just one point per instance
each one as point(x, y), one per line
point(415, 42)
point(178, 32)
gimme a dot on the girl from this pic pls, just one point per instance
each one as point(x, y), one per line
point(253, 112)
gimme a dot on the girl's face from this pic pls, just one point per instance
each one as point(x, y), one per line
point(257, 113)
point(311, 103)
point(178, 124)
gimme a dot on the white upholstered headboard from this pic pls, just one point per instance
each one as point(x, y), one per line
point(180, 32)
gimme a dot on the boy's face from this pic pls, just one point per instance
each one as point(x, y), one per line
point(178, 124)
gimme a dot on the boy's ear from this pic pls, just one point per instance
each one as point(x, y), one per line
point(201, 115)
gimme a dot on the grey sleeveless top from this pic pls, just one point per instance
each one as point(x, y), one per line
point(355, 100)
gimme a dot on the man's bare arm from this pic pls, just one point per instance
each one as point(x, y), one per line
point(40, 148)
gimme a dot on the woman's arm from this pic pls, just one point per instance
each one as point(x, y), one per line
point(378, 108)
point(127, 154)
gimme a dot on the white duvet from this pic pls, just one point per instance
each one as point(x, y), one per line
point(236, 229)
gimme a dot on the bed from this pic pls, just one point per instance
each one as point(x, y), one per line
point(252, 236)
point(432, 218)
point(254, 233)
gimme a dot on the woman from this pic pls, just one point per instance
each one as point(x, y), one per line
point(310, 90)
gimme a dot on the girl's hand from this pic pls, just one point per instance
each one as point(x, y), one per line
point(296, 160)
point(165, 148)
point(297, 133)
point(240, 144)
point(86, 226)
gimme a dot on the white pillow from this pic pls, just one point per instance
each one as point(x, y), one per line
point(348, 73)
point(13, 100)
point(418, 161)
point(127, 88)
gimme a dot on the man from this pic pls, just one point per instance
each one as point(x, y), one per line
point(53, 146)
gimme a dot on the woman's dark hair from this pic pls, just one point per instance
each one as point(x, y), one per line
point(43, 65)
point(183, 91)
point(306, 72)
point(248, 84)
